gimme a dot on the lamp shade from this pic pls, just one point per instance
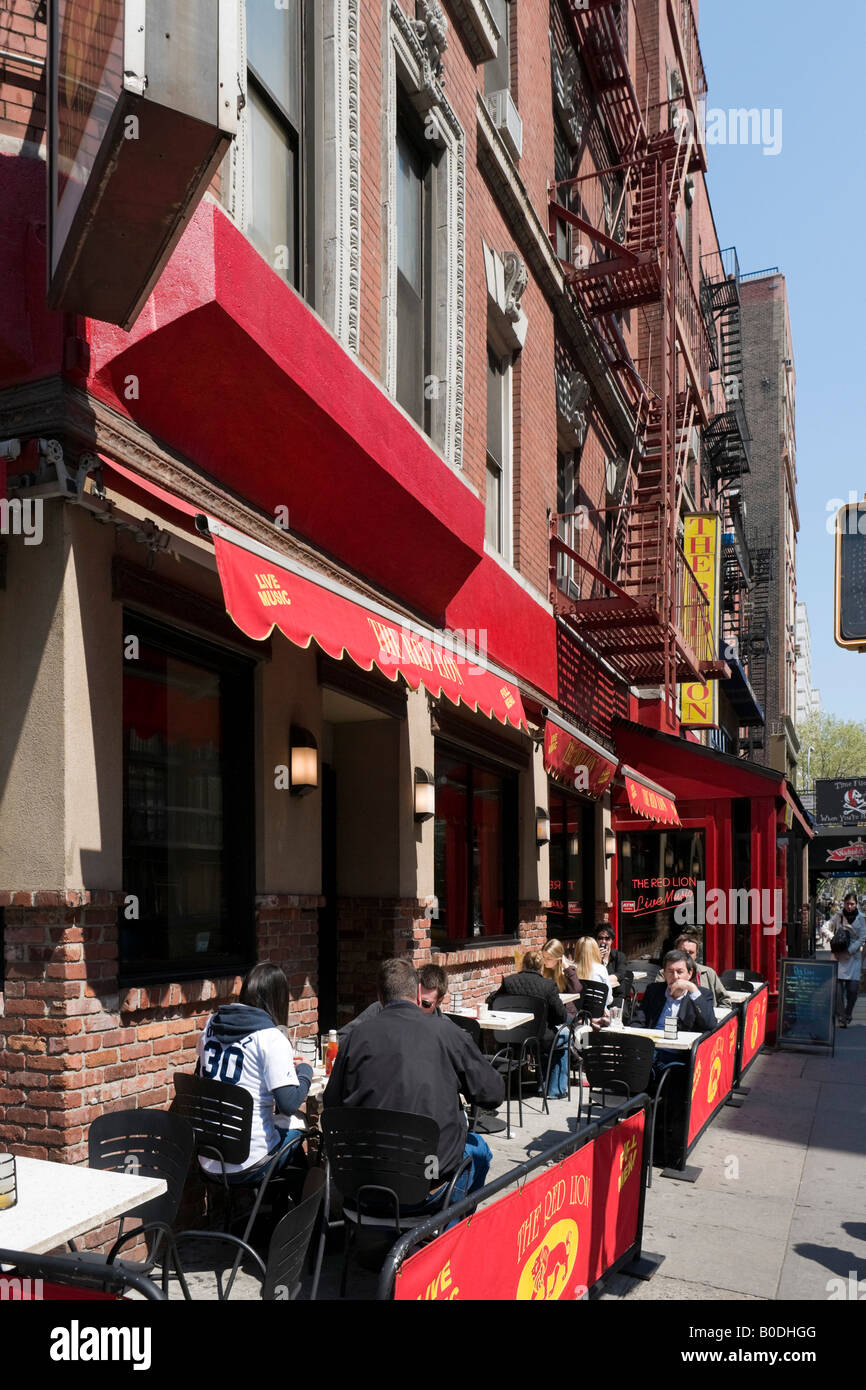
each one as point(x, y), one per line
point(425, 795)
point(542, 826)
point(610, 844)
point(303, 762)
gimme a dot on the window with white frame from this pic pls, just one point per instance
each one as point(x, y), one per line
point(415, 270)
point(497, 72)
point(497, 525)
point(292, 178)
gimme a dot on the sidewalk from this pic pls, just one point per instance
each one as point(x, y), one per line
point(778, 1212)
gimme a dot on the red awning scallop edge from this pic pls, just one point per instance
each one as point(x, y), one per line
point(263, 590)
point(649, 800)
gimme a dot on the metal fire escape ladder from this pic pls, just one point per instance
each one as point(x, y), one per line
point(726, 437)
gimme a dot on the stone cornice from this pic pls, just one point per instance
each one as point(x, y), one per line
point(476, 24)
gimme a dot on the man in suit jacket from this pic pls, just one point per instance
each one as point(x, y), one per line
point(679, 997)
point(534, 985)
point(707, 977)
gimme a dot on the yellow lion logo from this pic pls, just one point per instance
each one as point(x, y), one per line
point(548, 1269)
point(715, 1077)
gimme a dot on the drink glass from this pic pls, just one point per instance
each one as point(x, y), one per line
point(308, 1050)
point(616, 1017)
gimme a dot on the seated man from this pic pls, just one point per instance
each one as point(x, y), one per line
point(432, 989)
point(679, 997)
point(410, 1059)
point(707, 977)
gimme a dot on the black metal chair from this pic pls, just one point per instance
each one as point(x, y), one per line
point(221, 1116)
point(89, 1278)
point(526, 1038)
point(593, 999)
point(618, 1062)
point(473, 1028)
point(731, 979)
point(380, 1164)
point(148, 1144)
point(281, 1272)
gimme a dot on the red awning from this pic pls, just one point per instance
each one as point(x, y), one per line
point(575, 760)
point(261, 592)
point(148, 494)
point(649, 800)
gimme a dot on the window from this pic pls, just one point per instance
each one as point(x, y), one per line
point(654, 865)
point(414, 274)
point(497, 522)
point(566, 507)
point(187, 807)
point(571, 850)
point(275, 120)
point(497, 72)
point(475, 853)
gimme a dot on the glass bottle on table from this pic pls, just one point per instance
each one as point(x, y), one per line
point(331, 1051)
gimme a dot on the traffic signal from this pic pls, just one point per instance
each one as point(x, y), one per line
point(850, 625)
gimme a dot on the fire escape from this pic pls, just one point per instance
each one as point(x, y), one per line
point(647, 615)
point(756, 631)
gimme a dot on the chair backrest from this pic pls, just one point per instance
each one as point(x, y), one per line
point(221, 1115)
point(75, 1277)
point(520, 1004)
point(593, 998)
point(381, 1148)
point(614, 1056)
point(732, 979)
point(469, 1025)
point(147, 1143)
point(291, 1241)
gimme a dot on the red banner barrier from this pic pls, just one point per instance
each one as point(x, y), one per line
point(754, 1028)
point(712, 1077)
point(551, 1239)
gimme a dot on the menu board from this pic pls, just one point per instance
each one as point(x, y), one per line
point(807, 1003)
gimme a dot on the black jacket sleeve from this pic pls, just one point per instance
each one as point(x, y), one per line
point(480, 1083)
point(291, 1098)
point(702, 1013)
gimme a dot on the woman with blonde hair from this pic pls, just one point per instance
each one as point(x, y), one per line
point(587, 963)
point(558, 967)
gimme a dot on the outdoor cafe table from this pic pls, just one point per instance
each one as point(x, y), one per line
point(710, 1067)
point(58, 1201)
point(497, 1020)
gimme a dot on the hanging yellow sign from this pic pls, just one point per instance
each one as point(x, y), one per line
point(702, 544)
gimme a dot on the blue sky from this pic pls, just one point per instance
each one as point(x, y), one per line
point(804, 210)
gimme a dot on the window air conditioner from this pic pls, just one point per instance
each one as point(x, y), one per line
point(506, 118)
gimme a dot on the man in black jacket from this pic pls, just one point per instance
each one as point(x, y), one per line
point(679, 997)
point(405, 1059)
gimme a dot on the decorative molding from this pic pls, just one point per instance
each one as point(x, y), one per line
point(431, 26)
point(516, 280)
point(572, 406)
point(565, 73)
point(477, 27)
point(341, 232)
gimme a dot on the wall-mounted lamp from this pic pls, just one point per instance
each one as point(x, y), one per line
point(303, 762)
point(425, 795)
point(610, 845)
point(542, 827)
point(574, 846)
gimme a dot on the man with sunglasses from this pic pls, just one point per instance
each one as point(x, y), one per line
point(615, 962)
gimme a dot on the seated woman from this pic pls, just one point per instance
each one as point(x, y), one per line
point(244, 1045)
point(588, 964)
point(530, 982)
point(557, 967)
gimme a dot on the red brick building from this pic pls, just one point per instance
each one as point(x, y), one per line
point(433, 358)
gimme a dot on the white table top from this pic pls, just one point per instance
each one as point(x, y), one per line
point(681, 1043)
point(722, 1013)
point(739, 996)
point(499, 1020)
point(58, 1201)
point(569, 998)
point(639, 974)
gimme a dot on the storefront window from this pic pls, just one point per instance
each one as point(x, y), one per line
point(657, 870)
point(475, 850)
point(568, 854)
point(187, 806)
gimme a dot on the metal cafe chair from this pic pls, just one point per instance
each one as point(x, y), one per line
point(473, 1028)
point(732, 978)
point(593, 999)
point(149, 1143)
point(622, 1063)
point(67, 1277)
point(526, 1038)
point(379, 1163)
point(221, 1116)
point(290, 1243)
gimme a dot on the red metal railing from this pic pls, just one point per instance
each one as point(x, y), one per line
point(692, 320)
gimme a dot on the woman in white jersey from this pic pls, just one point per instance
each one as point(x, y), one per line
point(243, 1045)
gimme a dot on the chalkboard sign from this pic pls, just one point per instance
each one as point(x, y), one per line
point(807, 1004)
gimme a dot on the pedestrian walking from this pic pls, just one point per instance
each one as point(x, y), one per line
point(846, 945)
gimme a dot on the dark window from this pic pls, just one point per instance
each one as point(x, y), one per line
point(475, 850)
point(654, 866)
point(275, 112)
point(188, 833)
point(497, 72)
point(571, 858)
point(414, 270)
point(497, 453)
point(741, 834)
